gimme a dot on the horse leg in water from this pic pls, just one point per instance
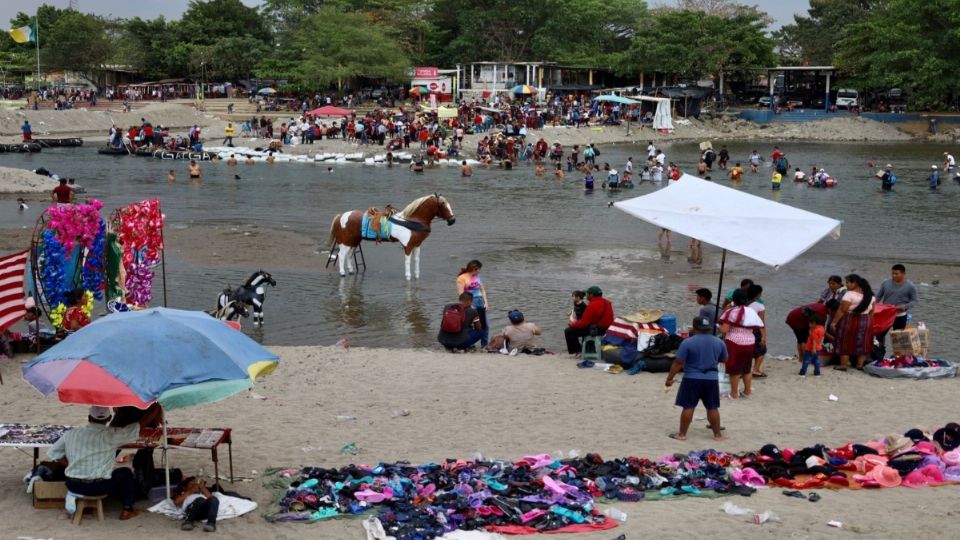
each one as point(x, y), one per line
point(351, 268)
point(342, 259)
point(257, 311)
point(406, 265)
point(416, 262)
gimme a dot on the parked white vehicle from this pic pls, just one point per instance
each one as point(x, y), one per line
point(847, 98)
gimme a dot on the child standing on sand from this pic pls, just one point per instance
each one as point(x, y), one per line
point(813, 346)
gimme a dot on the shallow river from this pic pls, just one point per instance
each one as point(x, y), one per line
point(539, 239)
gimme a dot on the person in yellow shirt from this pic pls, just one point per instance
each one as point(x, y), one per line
point(228, 135)
point(775, 181)
point(736, 173)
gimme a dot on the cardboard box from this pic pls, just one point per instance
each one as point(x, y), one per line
point(49, 494)
point(905, 342)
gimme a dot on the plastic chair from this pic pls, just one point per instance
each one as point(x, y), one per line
point(591, 348)
point(94, 502)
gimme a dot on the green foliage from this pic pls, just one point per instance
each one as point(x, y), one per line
point(206, 22)
point(692, 44)
point(909, 44)
point(77, 42)
point(812, 39)
point(335, 46)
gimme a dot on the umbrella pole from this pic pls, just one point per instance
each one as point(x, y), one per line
point(166, 462)
point(716, 311)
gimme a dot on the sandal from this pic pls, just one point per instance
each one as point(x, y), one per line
point(814, 497)
point(838, 368)
point(760, 375)
point(794, 493)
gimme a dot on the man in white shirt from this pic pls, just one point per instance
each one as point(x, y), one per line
point(651, 151)
point(661, 157)
point(948, 162)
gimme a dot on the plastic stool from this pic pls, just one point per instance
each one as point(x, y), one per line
point(591, 348)
point(89, 503)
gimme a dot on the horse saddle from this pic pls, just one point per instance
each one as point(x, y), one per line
point(375, 224)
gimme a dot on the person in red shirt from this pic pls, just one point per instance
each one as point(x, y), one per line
point(595, 320)
point(799, 320)
point(62, 194)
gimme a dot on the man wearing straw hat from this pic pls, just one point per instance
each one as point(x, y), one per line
point(698, 357)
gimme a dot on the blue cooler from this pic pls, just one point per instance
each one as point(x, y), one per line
point(669, 323)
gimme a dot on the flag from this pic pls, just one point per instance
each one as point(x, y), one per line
point(24, 34)
point(12, 269)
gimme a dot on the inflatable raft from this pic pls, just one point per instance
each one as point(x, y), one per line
point(21, 148)
point(57, 143)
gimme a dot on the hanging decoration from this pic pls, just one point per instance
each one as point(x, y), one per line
point(139, 239)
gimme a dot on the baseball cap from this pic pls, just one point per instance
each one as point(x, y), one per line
point(100, 413)
point(595, 290)
point(701, 323)
point(515, 316)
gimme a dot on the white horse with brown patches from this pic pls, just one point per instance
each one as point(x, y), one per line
point(410, 227)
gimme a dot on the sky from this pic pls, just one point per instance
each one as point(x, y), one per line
point(781, 10)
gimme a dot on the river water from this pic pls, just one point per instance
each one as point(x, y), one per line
point(539, 239)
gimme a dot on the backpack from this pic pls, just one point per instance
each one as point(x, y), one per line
point(454, 318)
point(892, 179)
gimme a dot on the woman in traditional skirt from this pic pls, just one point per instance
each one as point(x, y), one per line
point(851, 325)
point(737, 324)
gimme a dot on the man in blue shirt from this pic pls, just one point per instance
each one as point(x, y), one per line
point(698, 357)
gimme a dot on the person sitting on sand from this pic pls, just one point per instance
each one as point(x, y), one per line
point(193, 170)
point(698, 356)
point(465, 169)
point(460, 326)
point(521, 335)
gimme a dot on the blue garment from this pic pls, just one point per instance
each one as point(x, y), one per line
point(810, 358)
point(700, 354)
point(934, 179)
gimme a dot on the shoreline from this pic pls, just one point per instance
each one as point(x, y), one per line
point(457, 406)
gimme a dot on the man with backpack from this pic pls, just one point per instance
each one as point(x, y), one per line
point(887, 178)
point(460, 325)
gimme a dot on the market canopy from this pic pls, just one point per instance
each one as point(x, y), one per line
point(330, 110)
point(758, 228)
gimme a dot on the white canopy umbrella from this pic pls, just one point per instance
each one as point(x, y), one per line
point(758, 228)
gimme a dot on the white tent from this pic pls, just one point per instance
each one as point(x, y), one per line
point(661, 117)
point(758, 228)
point(763, 230)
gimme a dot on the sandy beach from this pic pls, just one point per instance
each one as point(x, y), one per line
point(507, 407)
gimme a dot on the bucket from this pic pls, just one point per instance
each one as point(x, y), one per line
point(669, 323)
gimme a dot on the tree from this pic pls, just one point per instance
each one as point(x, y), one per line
point(909, 44)
point(78, 42)
point(145, 45)
point(692, 44)
point(336, 46)
point(206, 22)
point(595, 40)
point(230, 57)
point(812, 39)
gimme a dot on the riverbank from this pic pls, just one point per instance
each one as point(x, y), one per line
point(94, 125)
point(24, 182)
point(505, 407)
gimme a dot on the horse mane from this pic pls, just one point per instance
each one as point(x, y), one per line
point(412, 207)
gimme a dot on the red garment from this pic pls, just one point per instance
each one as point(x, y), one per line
point(63, 193)
point(75, 318)
point(797, 321)
point(583, 527)
point(599, 312)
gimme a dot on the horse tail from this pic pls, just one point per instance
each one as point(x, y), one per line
point(334, 226)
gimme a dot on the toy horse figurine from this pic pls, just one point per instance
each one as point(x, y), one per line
point(410, 227)
point(251, 293)
point(227, 309)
